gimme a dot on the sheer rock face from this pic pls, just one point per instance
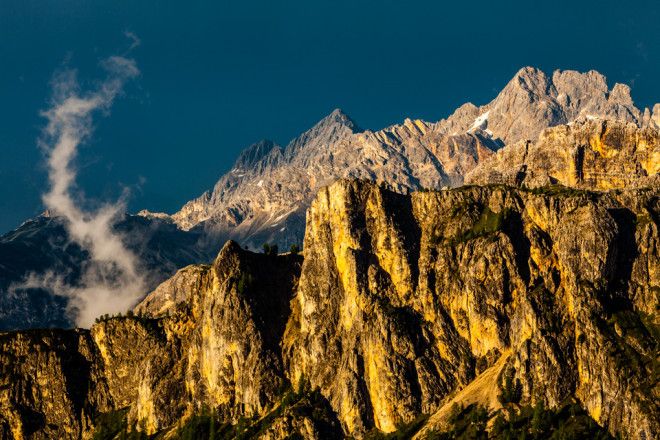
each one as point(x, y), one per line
point(591, 153)
point(400, 302)
point(263, 198)
point(403, 300)
point(219, 349)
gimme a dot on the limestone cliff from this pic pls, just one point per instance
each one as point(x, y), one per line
point(402, 305)
point(568, 127)
point(403, 300)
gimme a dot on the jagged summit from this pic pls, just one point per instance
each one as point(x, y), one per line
point(533, 101)
point(265, 196)
point(338, 116)
point(531, 79)
point(332, 128)
point(336, 120)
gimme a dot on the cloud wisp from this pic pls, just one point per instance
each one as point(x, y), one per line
point(110, 279)
point(135, 40)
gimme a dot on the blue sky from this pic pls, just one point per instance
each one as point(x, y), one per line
point(217, 76)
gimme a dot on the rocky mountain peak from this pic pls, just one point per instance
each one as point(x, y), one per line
point(530, 80)
point(338, 117)
point(332, 128)
point(533, 101)
point(621, 94)
point(571, 82)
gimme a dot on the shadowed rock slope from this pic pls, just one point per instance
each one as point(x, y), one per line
point(401, 305)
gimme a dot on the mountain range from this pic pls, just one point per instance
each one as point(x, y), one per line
point(532, 133)
point(263, 198)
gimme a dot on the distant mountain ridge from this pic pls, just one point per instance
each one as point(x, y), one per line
point(263, 198)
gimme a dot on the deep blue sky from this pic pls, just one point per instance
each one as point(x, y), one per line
point(218, 75)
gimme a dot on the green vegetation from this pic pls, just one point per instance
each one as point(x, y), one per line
point(270, 249)
point(512, 389)
point(632, 329)
point(570, 422)
point(562, 191)
point(244, 282)
point(209, 426)
point(566, 423)
point(464, 423)
point(205, 426)
point(114, 426)
point(108, 317)
point(487, 223)
point(294, 249)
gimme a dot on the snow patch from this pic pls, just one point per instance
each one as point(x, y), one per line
point(260, 183)
point(481, 122)
point(281, 216)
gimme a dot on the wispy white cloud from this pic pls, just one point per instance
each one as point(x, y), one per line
point(110, 280)
point(135, 40)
